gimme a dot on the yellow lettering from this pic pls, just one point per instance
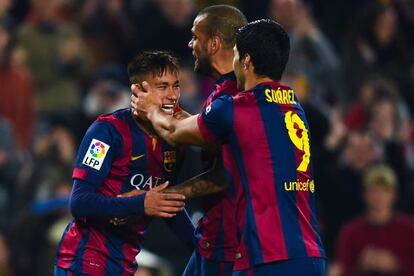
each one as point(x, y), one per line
point(268, 95)
point(312, 186)
point(285, 97)
point(291, 96)
point(279, 96)
point(300, 186)
point(288, 188)
point(274, 96)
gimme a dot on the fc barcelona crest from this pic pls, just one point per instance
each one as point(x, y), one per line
point(170, 157)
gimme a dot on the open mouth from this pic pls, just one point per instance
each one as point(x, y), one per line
point(168, 108)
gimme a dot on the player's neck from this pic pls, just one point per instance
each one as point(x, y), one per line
point(382, 216)
point(145, 126)
point(253, 80)
point(221, 63)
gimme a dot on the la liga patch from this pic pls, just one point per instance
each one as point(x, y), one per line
point(95, 155)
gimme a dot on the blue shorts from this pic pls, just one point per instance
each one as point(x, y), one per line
point(200, 266)
point(293, 267)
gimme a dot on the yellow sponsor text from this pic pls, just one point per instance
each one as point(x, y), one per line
point(305, 186)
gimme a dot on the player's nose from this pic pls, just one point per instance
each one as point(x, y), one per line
point(173, 94)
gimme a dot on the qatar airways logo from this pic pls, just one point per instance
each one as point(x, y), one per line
point(146, 183)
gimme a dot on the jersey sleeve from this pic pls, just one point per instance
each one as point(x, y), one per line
point(86, 202)
point(97, 151)
point(216, 120)
point(101, 145)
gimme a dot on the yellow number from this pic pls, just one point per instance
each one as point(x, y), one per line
point(301, 143)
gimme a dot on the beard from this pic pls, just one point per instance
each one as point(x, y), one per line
point(202, 65)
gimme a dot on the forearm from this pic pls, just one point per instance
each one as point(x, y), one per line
point(210, 182)
point(85, 202)
point(163, 124)
point(183, 131)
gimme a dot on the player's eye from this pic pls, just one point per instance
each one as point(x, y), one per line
point(176, 86)
point(162, 87)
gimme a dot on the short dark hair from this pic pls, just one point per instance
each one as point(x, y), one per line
point(155, 62)
point(223, 21)
point(268, 45)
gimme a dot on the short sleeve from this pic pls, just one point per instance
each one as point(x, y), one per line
point(99, 147)
point(216, 120)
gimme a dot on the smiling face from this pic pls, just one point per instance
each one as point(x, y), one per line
point(166, 88)
point(199, 45)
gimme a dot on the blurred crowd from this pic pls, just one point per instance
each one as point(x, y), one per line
point(62, 62)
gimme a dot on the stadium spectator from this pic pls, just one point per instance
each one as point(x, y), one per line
point(57, 59)
point(312, 53)
point(9, 170)
point(16, 90)
point(376, 45)
point(108, 32)
point(381, 242)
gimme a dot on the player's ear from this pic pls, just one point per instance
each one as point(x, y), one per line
point(215, 44)
point(247, 61)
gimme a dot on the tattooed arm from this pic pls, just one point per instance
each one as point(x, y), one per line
point(209, 182)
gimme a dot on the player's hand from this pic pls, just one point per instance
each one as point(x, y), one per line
point(165, 205)
point(144, 99)
point(132, 193)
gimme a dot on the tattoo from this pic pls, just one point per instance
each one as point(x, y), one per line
point(210, 182)
point(197, 187)
point(181, 115)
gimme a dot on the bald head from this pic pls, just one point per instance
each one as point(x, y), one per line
point(222, 21)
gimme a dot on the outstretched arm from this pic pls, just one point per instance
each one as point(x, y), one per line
point(85, 202)
point(174, 131)
point(177, 130)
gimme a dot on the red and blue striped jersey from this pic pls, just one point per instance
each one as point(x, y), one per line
point(269, 160)
point(217, 230)
point(115, 156)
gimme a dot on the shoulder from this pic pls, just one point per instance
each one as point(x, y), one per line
point(118, 119)
point(220, 110)
point(220, 102)
point(112, 125)
point(244, 97)
point(227, 87)
point(116, 116)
